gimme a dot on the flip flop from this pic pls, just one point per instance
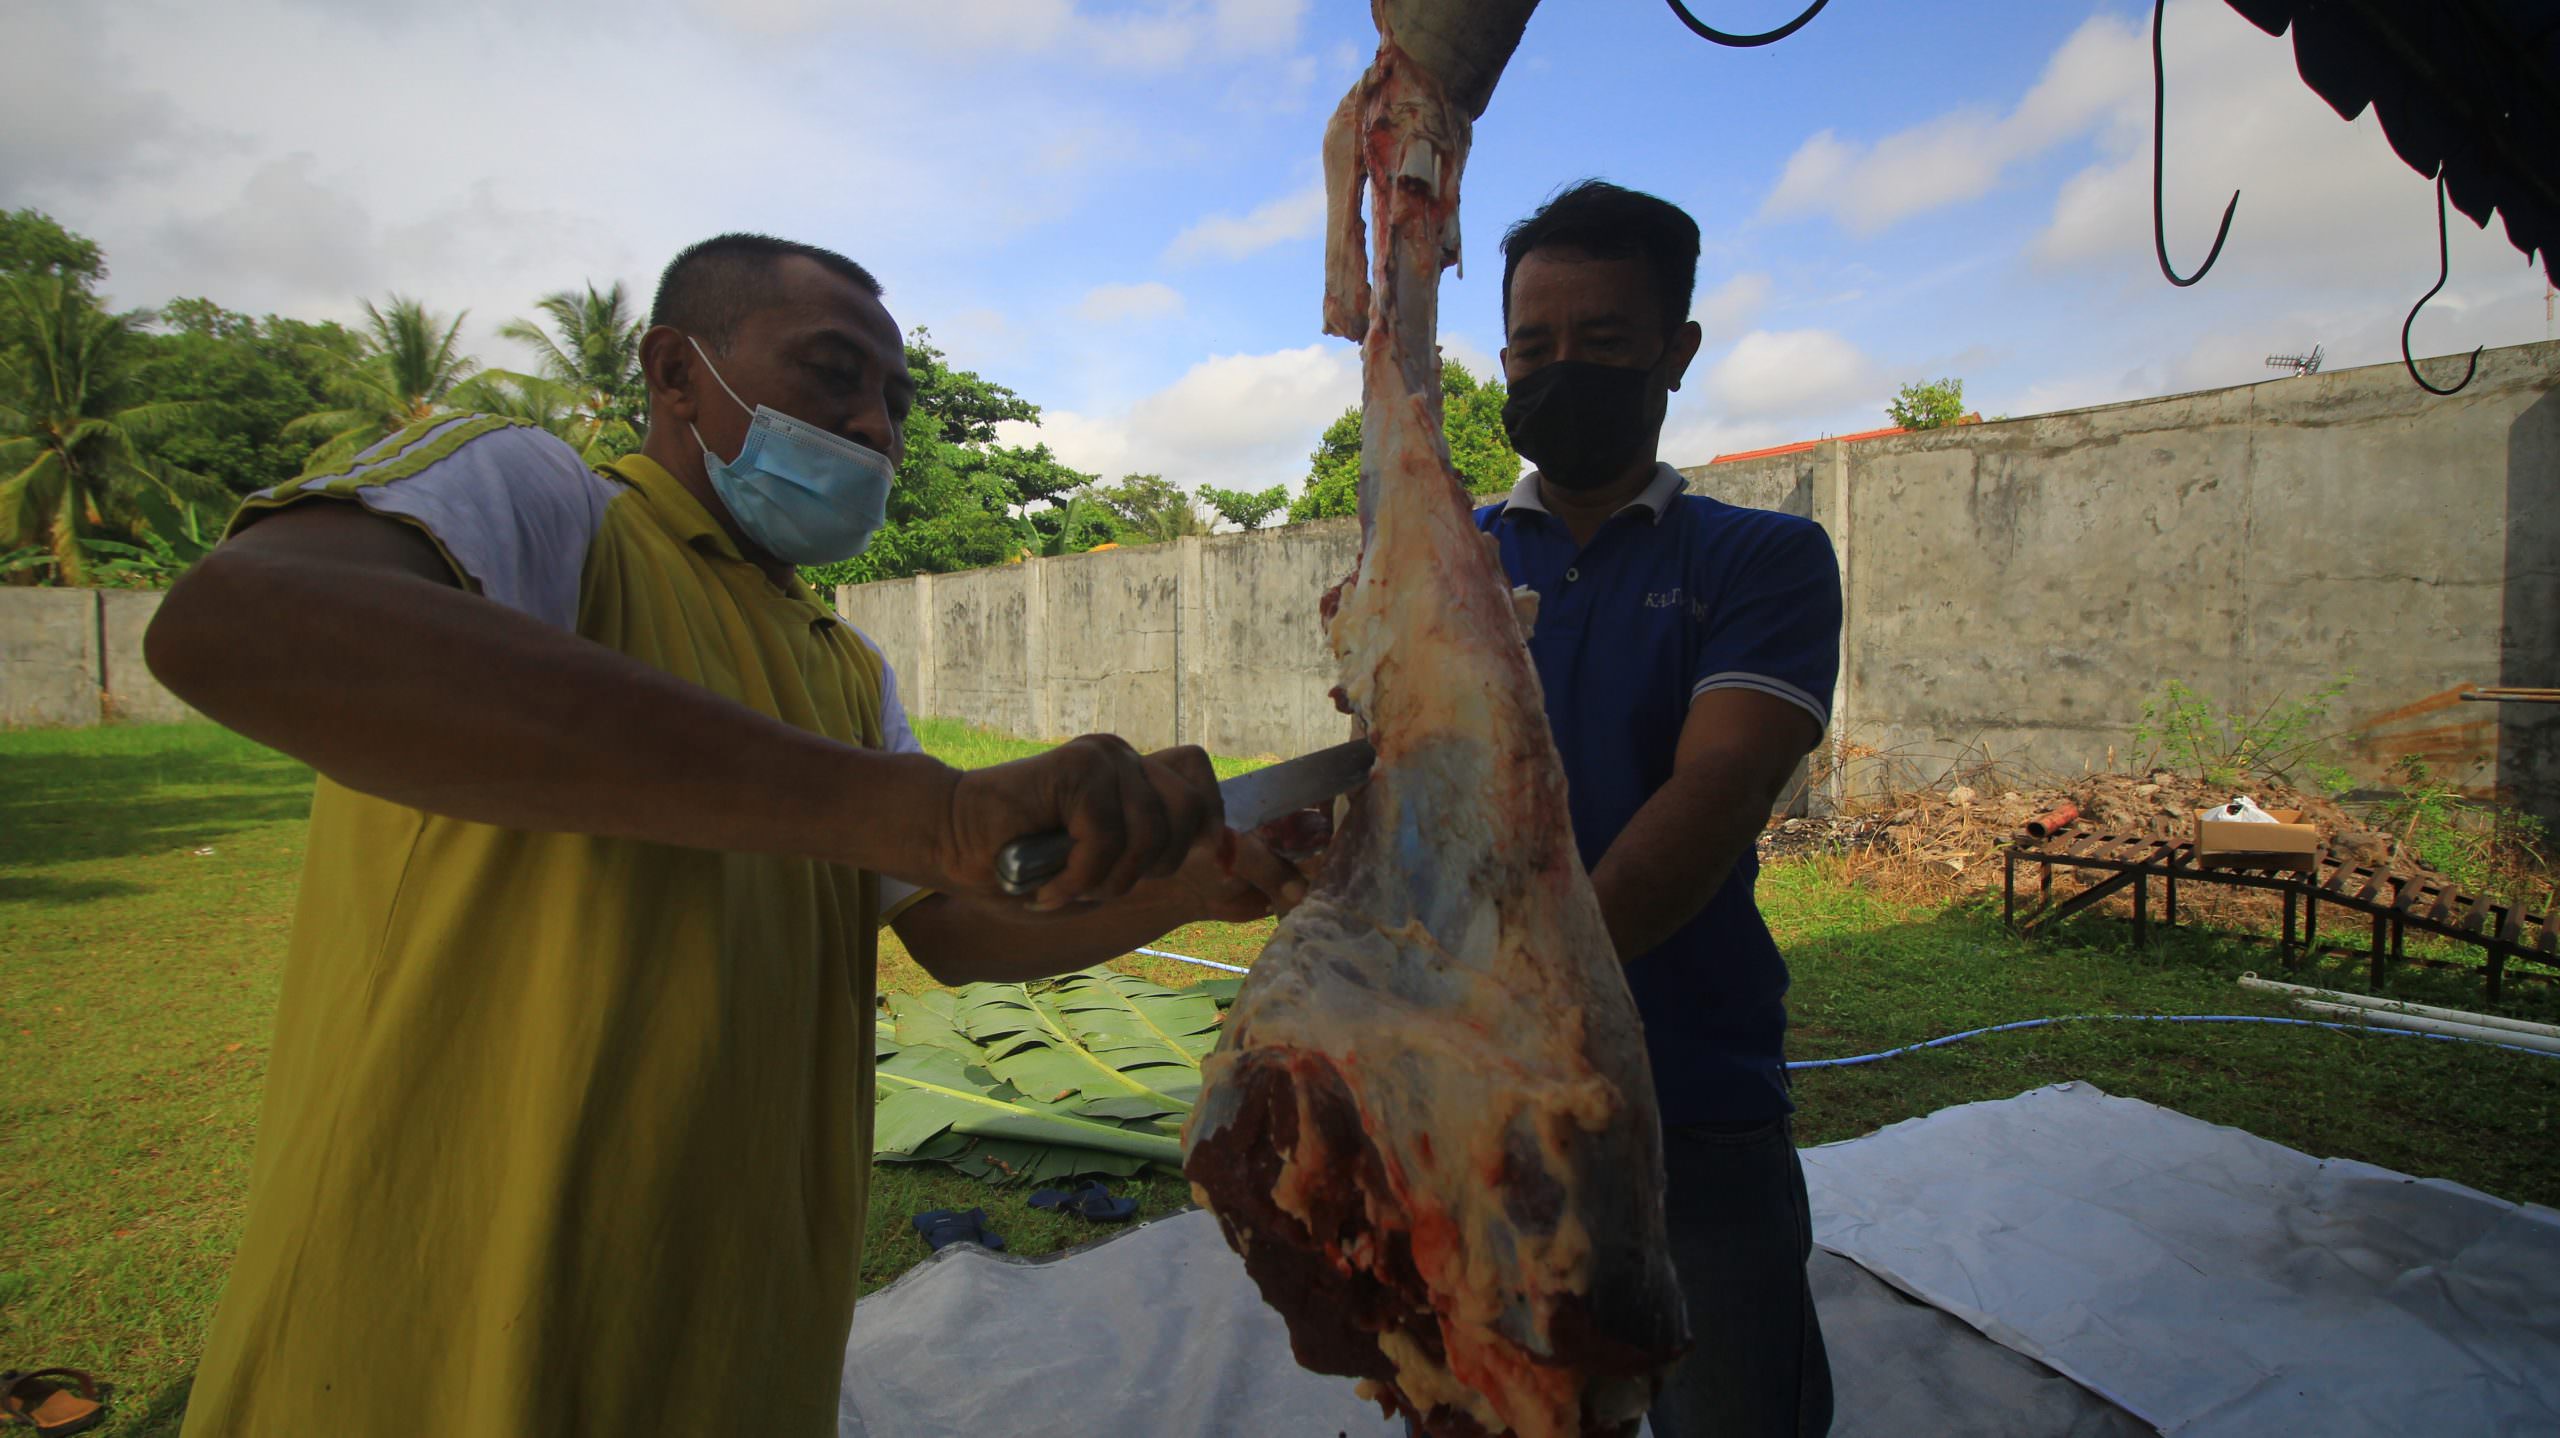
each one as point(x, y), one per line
point(25, 1398)
point(1092, 1201)
point(942, 1227)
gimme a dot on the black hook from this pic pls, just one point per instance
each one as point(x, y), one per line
point(1745, 42)
point(2159, 113)
point(2444, 269)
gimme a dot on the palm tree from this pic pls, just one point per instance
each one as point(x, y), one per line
point(77, 438)
point(529, 398)
point(592, 351)
point(406, 371)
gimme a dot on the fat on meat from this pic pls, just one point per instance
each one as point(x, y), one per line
point(1429, 1127)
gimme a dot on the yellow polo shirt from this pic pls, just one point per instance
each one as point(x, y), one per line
point(562, 1134)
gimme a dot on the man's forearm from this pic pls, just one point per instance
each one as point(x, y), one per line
point(429, 696)
point(1677, 851)
point(962, 942)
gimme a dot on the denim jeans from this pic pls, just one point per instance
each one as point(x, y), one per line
point(1741, 1235)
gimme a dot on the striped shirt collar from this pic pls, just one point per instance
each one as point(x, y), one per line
point(1654, 500)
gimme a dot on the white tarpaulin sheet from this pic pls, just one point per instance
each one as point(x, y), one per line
point(2206, 1279)
point(1161, 1332)
point(1157, 1331)
point(2210, 1281)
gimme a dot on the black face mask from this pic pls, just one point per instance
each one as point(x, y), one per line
point(1582, 424)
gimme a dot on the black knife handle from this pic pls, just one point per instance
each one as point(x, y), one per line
point(1027, 863)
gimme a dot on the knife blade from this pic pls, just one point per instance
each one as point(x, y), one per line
point(1252, 800)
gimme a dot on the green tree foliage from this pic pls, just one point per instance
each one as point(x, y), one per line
point(1243, 508)
point(248, 380)
point(79, 439)
point(590, 355)
point(1074, 525)
point(31, 244)
point(1152, 509)
point(1471, 421)
point(406, 367)
point(1333, 473)
point(959, 492)
point(1927, 406)
point(127, 446)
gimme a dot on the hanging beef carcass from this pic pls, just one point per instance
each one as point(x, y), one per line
point(1429, 1127)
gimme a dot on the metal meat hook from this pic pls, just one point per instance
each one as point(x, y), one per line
point(2159, 112)
point(1745, 42)
point(2444, 269)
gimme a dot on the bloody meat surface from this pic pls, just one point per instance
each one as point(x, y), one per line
point(1429, 1127)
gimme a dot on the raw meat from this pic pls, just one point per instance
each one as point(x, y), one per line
point(1429, 1127)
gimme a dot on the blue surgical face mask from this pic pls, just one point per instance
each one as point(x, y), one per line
point(805, 496)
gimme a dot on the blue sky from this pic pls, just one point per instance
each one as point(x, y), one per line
point(1112, 207)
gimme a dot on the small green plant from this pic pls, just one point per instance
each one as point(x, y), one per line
point(2477, 845)
point(2286, 742)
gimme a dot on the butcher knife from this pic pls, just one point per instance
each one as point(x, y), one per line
point(1252, 800)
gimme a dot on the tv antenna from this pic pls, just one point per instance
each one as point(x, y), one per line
point(2300, 364)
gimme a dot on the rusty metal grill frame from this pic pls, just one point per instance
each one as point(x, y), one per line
point(2395, 900)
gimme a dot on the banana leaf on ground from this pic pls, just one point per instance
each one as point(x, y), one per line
point(1090, 1075)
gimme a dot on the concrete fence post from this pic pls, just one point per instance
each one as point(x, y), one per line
point(1036, 678)
point(1842, 700)
point(1190, 592)
point(928, 693)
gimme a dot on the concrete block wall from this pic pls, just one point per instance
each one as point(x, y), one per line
point(2014, 590)
point(73, 657)
point(1105, 644)
point(1257, 674)
point(1209, 641)
point(2019, 588)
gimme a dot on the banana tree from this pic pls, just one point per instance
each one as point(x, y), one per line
point(78, 444)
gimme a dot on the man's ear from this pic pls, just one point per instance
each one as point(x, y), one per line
point(673, 373)
point(1684, 348)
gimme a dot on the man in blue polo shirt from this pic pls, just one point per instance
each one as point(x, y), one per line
point(1687, 649)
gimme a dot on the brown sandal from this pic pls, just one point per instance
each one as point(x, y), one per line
point(52, 1411)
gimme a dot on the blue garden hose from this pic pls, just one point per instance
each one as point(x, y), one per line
point(1857, 1059)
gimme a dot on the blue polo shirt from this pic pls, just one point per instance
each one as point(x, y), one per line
point(1676, 595)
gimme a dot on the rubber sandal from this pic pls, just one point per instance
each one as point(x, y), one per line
point(1093, 1201)
point(942, 1227)
point(54, 1412)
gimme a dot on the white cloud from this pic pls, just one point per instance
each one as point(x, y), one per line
point(1273, 89)
point(1729, 308)
point(1480, 363)
point(1960, 155)
point(1117, 303)
point(70, 112)
point(287, 221)
point(1147, 38)
point(1787, 374)
point(1232, 237)
point(207, 160)
point(1257, 27)
point(1235, 421)
point(1690, 437)
point(2319, 196)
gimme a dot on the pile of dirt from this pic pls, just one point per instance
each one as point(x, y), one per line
point(1945, 842)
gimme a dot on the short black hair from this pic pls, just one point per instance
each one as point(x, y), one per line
point(709, 287)
point(1612, 222)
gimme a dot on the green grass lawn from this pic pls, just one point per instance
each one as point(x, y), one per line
point(146, 887)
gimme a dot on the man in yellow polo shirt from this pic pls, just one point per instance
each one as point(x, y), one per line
point(568, 1117)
